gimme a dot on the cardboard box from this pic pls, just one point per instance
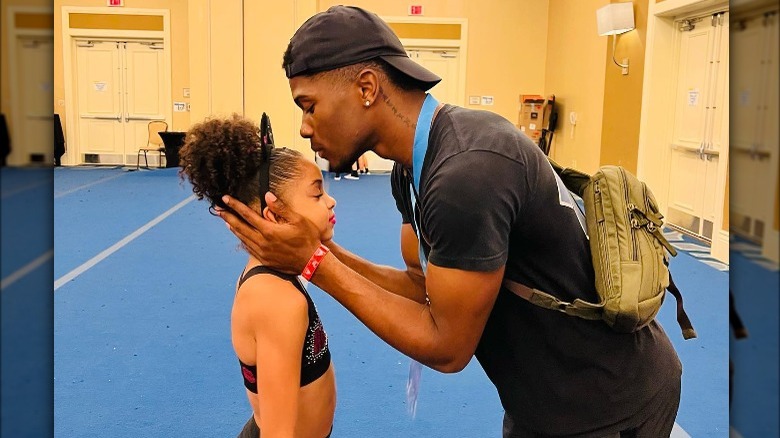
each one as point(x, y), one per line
point(533, 134)
point(531, 98)
point(531, 119)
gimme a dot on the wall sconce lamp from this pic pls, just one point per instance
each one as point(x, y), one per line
point(615, 19)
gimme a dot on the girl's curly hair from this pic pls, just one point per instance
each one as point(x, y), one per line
point(222, 156)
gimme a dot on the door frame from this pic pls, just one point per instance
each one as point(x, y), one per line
point(13, 34)
point(658, 95)
point(69, 35)
point(433, 43)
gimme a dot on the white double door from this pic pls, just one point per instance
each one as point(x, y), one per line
point(755, 146)
point(121, 87)
point(699, 146)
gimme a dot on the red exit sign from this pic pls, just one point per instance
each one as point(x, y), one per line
point(115, 2)
point(415, 10)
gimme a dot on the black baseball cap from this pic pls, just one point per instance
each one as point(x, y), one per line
point(346, 35)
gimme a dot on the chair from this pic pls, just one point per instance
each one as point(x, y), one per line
point(154, 142)
point(173, 140)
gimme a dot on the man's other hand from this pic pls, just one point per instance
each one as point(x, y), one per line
point(285, 246)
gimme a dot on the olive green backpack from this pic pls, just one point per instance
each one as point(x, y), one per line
point(629, 252)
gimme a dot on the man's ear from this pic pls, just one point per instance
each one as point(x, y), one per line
point(368, 81)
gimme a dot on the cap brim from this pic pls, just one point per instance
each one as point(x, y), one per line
point(413, 70)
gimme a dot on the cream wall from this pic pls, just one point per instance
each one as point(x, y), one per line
point(623, 94)
point(266, 86)
point(575, 73)
point(5, 85)
point(216, 62)
point(180, 72)
point(236, 61)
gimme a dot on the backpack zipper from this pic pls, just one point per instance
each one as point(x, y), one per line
point(602, 230)
point(652, 240)
point(630, 207)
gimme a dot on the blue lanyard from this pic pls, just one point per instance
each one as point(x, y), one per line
point(421, 134)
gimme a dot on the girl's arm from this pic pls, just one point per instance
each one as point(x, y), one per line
point(279, 315)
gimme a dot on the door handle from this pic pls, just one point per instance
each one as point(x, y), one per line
point(709, 152)
point(128, 117)
point(444, 54)
point(753, 151)
point(117, 117)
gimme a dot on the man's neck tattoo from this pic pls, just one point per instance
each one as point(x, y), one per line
point(404, 118)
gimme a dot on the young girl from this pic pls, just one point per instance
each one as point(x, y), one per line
point(277, 335)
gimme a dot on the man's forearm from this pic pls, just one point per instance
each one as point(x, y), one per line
point(400, 282)
point(405, 324)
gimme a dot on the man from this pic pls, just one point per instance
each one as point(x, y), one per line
point(488, 206)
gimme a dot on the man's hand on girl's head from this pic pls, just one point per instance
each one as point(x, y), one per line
point(285, 246)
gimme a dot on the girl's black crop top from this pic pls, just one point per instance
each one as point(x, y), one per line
point(315, 358)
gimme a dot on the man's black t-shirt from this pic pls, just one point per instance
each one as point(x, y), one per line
point(489, 197)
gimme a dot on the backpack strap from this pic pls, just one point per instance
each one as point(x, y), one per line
point(682, 318)
point(578, 307)
point(574, 180)
point(586, 310)
point(660, 236)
